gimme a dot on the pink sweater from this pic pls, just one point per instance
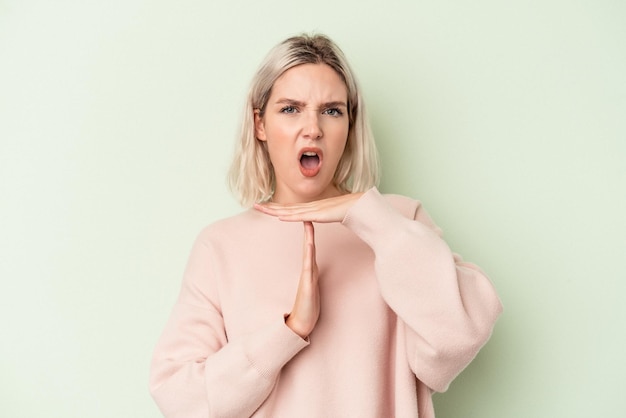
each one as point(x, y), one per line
point(401, 317)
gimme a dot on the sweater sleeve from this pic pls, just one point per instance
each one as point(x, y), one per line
point(196, 371)
point(447, 307)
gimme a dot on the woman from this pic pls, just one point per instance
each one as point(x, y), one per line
point(371, 317)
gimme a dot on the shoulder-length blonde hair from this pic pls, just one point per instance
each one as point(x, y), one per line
point(251, 176)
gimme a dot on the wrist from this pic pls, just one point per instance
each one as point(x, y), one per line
point(295, 327)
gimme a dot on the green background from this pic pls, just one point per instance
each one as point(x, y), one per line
point(117, 122)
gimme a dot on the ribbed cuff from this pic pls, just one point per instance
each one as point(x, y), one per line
point(271, 349)
point(372, 215)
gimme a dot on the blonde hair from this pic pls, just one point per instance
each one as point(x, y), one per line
point(251, 176)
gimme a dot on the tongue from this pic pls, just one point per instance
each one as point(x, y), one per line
point(309, 162)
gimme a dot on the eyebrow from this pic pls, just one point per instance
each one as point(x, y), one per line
point(298, 103)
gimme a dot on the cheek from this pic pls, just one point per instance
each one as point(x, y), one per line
point(337, 149)
point(342, 141)
point(337, 130)
point(279, 148)
point(281, 133)
point(277, 153)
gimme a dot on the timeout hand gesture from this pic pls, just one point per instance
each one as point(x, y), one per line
point(306, 307)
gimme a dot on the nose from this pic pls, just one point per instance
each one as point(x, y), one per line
point(312, 127)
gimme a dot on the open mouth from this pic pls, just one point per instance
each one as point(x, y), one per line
point(310, 162)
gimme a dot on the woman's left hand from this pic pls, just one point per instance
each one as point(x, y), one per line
point(333, 209)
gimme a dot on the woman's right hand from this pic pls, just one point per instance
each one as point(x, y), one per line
point(306, 308)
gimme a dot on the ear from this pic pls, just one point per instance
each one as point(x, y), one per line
point(259, 126)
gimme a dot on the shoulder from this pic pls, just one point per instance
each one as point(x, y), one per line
point(230, 227)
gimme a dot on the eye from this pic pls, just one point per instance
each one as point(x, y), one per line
point(288, 109)
point(333, 111)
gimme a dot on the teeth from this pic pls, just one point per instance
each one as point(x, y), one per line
point(310, 154)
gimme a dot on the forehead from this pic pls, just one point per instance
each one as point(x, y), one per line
point(312, 81)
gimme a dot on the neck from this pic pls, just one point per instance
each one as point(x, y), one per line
point(294, 198)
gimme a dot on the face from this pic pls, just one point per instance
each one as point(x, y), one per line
point(305, 127)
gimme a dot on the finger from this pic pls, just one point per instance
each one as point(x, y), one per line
point(308, 214)
point(309, 232)
point(301, 217)
point(290, 205)
point(279, 207)
point(286, 211)
point(309, 263)
point(307, 250)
